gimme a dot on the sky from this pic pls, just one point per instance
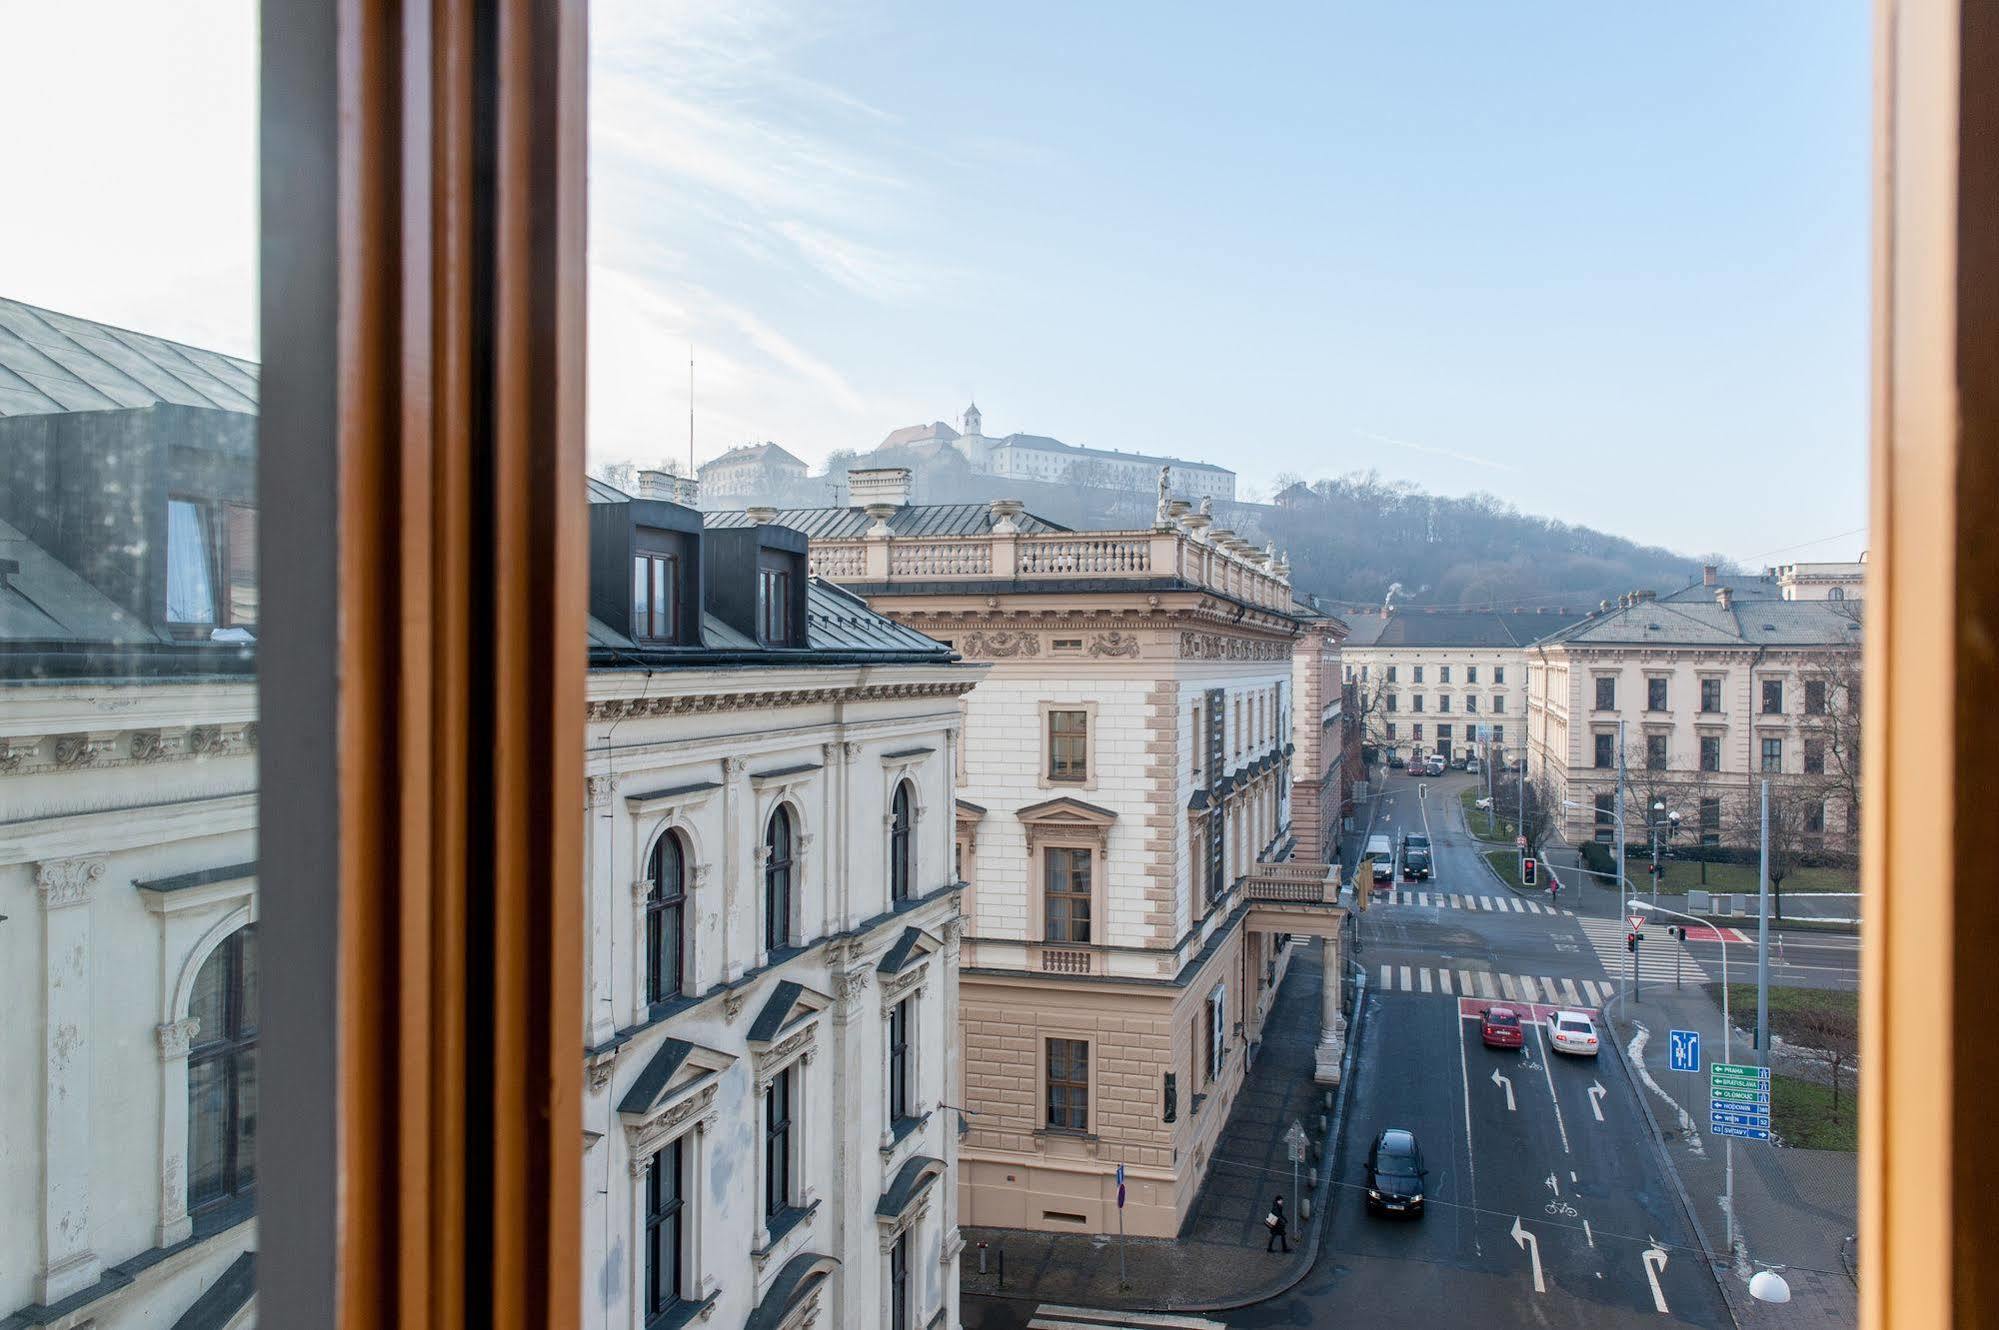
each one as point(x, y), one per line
point(1607, 263)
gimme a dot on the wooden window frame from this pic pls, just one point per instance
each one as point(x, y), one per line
point(1049, 1084)
point(658, 903)
point(780, 1145)
point(778, 916)
point(901, 841)
point(1043, 774)
point(227, 1047)
point(1042, 851)
point(661, 1296)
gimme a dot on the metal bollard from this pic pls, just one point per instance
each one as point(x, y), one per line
point(982, 1258)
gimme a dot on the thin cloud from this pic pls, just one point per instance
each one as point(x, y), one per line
point(1469, 459)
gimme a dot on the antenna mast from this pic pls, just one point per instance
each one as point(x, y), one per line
point(690, 410)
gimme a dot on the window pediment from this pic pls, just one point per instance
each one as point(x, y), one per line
point(677, 1069)
point(908, 952)
point(1066, 812)
point(790, 1006)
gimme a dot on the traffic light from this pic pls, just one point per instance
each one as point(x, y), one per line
point(1631, 941)
point(1527, 867)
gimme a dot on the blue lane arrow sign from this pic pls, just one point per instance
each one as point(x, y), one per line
point(1684, 1047)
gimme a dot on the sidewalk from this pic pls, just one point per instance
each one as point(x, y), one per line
point(1795, 1209)
point(1219, 1259)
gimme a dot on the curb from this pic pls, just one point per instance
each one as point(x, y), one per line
point(1658, 1139)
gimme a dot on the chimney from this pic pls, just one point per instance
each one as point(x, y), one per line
point(1708, 574)
point(1646, 595)
point(687, 490)
point(1725, 598)
point(657, 485)
point(760, 516)
point(888, 485)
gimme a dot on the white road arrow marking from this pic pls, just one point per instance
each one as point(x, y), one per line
point(1596, 1094)
point(1553, 1185)
point(1655, 1265)
point(1532, 1246)
point(1505, 1083)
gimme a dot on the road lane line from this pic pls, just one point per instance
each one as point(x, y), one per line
point(1528, 993)
point(1569, 989)
point(1407, 987)
point(1548, 1070)
point(1457, 901)
point(1588, 1236)
point(1506, 987)
point(1444, 982)
point(1484, 902)
point(1423, 978)
point(1387, 977)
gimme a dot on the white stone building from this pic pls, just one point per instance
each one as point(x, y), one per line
point(750, 471)
point(1038, 457)
point(774, 928)
point(1444, 681)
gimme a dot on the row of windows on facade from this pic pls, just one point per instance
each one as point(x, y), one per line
point(658, 597)
point(1657, 751)
point(1497, 733)
point(1256, 719)
point(1656, 695)
point(1707, 823)
point(1416, 672)
point(669, 1283)
point(1497, 705)
point(666, 930)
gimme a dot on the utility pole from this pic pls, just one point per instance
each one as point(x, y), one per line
point(1763, 934)
point(1623, 882)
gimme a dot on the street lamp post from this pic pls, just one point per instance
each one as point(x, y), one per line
point(1727, 1051)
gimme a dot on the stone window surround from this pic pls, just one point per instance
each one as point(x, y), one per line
point(793, 1052)
point(898, 768)
point(911, 986)
point(177, 1030)
point(768, 800)
point(1042, 835)
point(1042, 779)
point(909, 1223)
point(689, 1114)
point(1093, 1079)
point(696, 861)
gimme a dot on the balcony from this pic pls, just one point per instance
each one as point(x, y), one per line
point(1301, 898)
point(1185, 550)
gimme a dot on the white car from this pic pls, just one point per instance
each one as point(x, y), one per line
point(1483, 803)
point(1572, 1032)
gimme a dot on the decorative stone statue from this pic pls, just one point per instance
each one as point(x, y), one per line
point(1164, 517)
point(1207, 505)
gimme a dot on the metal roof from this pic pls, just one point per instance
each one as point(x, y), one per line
point(836, 621)
point(930, 519)
point(43, 600)
point(51, 363)
point(1774, 623)
point(1454, 628)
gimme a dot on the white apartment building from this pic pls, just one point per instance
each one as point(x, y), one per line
point(774, 930)
point(1124, 828)
point(750, 471)
point(1444, 681)
point(1713, 696)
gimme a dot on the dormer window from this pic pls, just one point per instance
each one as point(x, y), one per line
point(656, 597)
point(774, 606)
point(211, 564)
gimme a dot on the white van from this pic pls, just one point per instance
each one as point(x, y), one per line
point(1472, 767)
point(1383, 855)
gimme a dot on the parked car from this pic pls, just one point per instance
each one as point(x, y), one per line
point(1383, 856)
point(1396, 762)
point(1472, 766)
point(1572, 1032)
point(1395, 1173)
point(1436, 765)
point(1500, 1028)
point(1415, 857)
point(1483, 803)
point(1458, 762)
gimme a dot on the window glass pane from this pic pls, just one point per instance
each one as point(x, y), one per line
point(246, 1119)
point(190, 565)
point(641, 598)
point(207, 1131)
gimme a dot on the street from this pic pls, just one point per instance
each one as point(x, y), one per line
point(1547, 1202)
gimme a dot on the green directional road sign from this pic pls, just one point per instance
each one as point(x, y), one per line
point(1740, 1096)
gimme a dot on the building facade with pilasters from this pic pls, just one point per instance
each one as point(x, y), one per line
point(1124, 814)
point(773, 929)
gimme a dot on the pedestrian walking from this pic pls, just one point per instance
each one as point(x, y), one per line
point(1274, 1221)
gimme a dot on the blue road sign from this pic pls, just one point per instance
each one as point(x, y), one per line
point(1742, 1133)
point(1685, 1048)
point(1723, 1114)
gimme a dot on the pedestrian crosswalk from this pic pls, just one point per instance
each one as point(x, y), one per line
point(1452, 900)
point(1661, 959)
point(1446, 982)
point(1050, 1317)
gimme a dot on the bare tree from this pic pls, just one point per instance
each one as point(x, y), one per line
point(1831, 722)
point(1829, 1034)
point(1536, 810)
point(1797, 825)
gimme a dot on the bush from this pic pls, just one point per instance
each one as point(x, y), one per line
point(1599, 858)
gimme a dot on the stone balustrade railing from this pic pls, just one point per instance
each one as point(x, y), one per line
point(1316, 884)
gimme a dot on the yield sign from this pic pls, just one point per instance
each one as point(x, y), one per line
point(1637, 921)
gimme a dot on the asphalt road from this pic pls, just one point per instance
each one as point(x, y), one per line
point(1547, 1204)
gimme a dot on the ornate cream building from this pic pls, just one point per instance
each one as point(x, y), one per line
point(1124, 830)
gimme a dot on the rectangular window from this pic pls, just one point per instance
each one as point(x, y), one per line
point(1499, 674)
point(1773, 755)
point(1711, 821)
point(1815, 757)
point(1606, 693)
point(666, 1192)
point(656, 597)
point(1418, 700)
point(1419, 674)
point(211, 564)
point(1815, 697)
point(1815, 818)
point(1655, 752)
point(1443, 701)
point(1443, 674)
point(1471, 674)
point(1773, 697)
point(1069, 745)
point(774, 606)
point(1606, 816)
point(1499, 702)
point(1416, 731)
point(1655, 694)
point(1711, 696)
point(1499, 734)
point(1363, 674)
point(1606, 750)
point(898, 1283)
point(778, 1160)
point(1391, 674)
point(1392, 700)
point(1710, 752)
point(1391, 731)
point(1068, 1085)
point(1443, 735)
point(1471, 702)
point(898, 1061)
point(1065, 894)
point(1198, 741)
point(1218, 1033)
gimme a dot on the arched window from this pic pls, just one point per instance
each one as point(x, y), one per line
point(778, 870)
point(222, 1074)
point(1837, 593)
point(666, 920)
point(898, 845)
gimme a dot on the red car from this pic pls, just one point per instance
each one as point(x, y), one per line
point(1500, 1028)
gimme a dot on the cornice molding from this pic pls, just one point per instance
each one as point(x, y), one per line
point(630, 708)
